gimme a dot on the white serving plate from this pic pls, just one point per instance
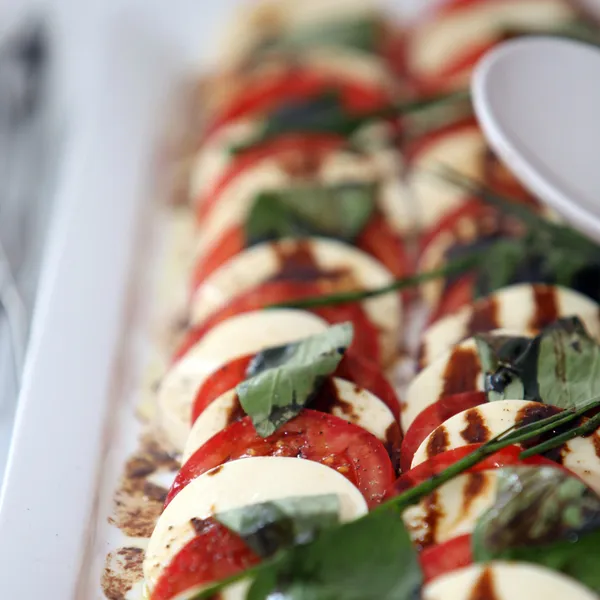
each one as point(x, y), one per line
point(75, 424)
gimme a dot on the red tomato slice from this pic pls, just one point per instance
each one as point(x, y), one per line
point(219, 382)
point(312, 435)
point(289, 148)
point(446, 557)
point(456, 295)
point(216, 553)
point(365, 342)
point(266, 93)
point(506, 457)
point(425, 142)
point(360, 371)
point(231, 242)
point(432, 417)
point(377, 239)
point(380, 241)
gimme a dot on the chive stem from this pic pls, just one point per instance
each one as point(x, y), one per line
point(460, 265)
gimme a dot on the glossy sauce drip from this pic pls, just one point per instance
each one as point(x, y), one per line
point(328, 399)
point(475, 486)
point(235, 412)
point(462, 372)
point(533, 413)
point(484, 317)
point(393, 442)
point(438, 442)
point(546, 308)
point(484, 588)
point(431, 519)
point(298, 263)
point(476, 430)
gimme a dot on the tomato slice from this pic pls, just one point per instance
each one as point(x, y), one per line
point(446, 557)
point(456, 295)
point(377, 239)
point(360, 371)
point(214, 554)
point(433, 416)
point(506, 457)
point(231, 242)
point(312, 435)
point(220, 381)
point(380, 241)
point(263, 94)
point(366, 342)
point(289, 148)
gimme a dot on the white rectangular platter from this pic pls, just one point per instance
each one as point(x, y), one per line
point(76, 421)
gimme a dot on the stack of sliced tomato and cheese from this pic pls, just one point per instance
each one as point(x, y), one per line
point(303, 475)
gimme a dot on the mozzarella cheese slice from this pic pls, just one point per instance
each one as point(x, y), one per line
point(243, 334)
point(477, 425)
point(499, 580)
point(437, 42)
point(261, 263)
point(581, 455)
point(453, 509)
point(462, 151)
point(523, 307)
point(353, 404)
point(240, 483)
point(237, 198)
point(453, 372)
point(334, 64)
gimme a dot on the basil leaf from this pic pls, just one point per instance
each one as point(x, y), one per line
point(510, 366)
point(360, 34)
point(340, 211)
point(371, 558)
point(534, 506)
point(560, 252)
point(569, 364)
point(283, 380)
point(271, 526)
point(504, 258)
point(542, 515)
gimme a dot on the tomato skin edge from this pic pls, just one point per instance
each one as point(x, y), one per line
point(433, 416)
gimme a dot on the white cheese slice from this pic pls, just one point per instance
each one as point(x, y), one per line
point(240, 483)
point(453, 509)
point(453, 372)
point(517, 307)
point(237, 198)
point(506, 581)
point(491, 419)
point(214, 156)
point(243, 334)
point(347, 65)
point(437, 42)
point(260, 263)
point(356, 405)
point(580, 455)
point(434, 198)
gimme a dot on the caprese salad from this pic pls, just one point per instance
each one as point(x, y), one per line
point(327, 215)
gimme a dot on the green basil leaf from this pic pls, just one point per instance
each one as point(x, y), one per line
point(504, 258)
point(568, 369)
point(542, 515)
point(359, 33)
point(510, 366)
point(339, 211)
point(283, 380)
point(271, 526)
point(576, 557)
point(534, 506)
point(371, 558)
